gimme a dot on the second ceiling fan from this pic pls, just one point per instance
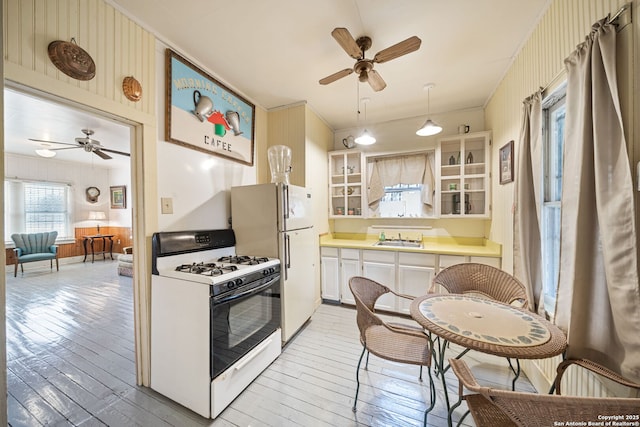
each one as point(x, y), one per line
point(88, 144)
point(363, 66)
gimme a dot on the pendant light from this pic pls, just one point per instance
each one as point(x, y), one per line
point(429, 127)
point(365, 138)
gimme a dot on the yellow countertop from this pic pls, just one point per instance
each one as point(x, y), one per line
point(464, 246)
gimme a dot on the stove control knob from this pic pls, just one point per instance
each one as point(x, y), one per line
point(238, 282)
point(231, 285)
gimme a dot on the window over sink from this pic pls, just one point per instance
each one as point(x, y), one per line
point(401, 185)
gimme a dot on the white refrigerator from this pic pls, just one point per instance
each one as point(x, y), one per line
point(275, 220)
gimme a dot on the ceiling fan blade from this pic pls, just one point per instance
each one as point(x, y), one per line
point(105, 156)
point(407, 46)
point(375, 81)
point(335, 76)
point(66, 148)
point(122, 153)
point(50, 142)
point(347, 42)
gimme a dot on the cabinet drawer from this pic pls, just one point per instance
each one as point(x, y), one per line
point(493, 262)
point(448, 260)
point(422, 260)
point(325, 251)
point(379, 256)
point(350, 254)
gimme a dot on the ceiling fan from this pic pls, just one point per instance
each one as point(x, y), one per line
point(87, 143)
point(363, 66)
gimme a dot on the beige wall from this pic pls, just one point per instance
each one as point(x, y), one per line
point(540, 63)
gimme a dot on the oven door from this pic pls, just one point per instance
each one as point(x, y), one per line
point(241, 321)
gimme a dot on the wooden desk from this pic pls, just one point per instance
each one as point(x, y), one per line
point(107, 240)
point(487, 326)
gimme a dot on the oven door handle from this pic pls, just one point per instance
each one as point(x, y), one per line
point(256, 352)
point(247, 293)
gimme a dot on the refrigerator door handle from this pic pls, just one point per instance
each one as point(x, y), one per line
point(285, 197)
point(287, 256)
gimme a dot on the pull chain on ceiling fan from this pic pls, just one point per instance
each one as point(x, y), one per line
point(363, 66)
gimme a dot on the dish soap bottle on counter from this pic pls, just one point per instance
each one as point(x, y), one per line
point(382, 237)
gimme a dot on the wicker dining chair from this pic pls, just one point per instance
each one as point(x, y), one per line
point(596, 369)
point(391, 341)
point(483, 281)
point(493, 407)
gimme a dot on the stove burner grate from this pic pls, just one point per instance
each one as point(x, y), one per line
point(243, 259)
point(208, 269)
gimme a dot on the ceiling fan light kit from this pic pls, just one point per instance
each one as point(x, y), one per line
point(429, 127)
point(45, 152)
point(363, 66)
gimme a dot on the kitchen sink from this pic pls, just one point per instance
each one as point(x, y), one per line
point(399, 243)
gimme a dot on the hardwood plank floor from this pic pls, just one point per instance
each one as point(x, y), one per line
point(70, 361)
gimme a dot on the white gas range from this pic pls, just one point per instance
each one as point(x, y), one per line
point(215, 318)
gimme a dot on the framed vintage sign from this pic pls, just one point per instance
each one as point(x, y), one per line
point(205, 115)
point(506, 163)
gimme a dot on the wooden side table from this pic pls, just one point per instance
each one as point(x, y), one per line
point(107, 241)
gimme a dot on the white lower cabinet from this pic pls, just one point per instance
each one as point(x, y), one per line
point(381, 267)
point(415, 273)
point(408, 273)
point(349, 266)
point(330, 273)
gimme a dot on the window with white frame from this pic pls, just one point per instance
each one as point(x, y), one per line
point(34, 207)
point(553, 136)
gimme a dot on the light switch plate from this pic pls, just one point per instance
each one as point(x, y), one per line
point(167, 205)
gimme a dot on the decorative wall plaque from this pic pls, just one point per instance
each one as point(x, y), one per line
point(132, 89)
point(72, 60)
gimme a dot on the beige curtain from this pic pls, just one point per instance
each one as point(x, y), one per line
point(598, 300)
point(387, 172)
point(527, 256)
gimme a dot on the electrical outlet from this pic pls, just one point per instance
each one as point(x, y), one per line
point(167, 205)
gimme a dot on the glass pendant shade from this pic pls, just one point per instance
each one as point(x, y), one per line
point(429, 128)
point(365, 138)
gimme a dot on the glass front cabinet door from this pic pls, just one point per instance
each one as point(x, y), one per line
point(463, 175)
point(346, 179)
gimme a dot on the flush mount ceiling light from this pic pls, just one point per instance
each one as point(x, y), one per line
point(365, 138)
point(429, 127)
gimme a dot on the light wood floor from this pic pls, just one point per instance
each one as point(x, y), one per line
point(70, 360)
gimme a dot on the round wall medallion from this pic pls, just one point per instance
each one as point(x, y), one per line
point(72, 60)
point(132, 88)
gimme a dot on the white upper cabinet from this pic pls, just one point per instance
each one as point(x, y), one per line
point(346, 189)
point(463, 175)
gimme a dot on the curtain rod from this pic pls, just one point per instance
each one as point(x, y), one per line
point(563, 71)
point(618, 13)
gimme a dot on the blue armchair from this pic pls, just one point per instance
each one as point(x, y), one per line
point(35, 247)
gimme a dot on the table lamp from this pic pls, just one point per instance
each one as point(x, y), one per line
point(98, 216)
